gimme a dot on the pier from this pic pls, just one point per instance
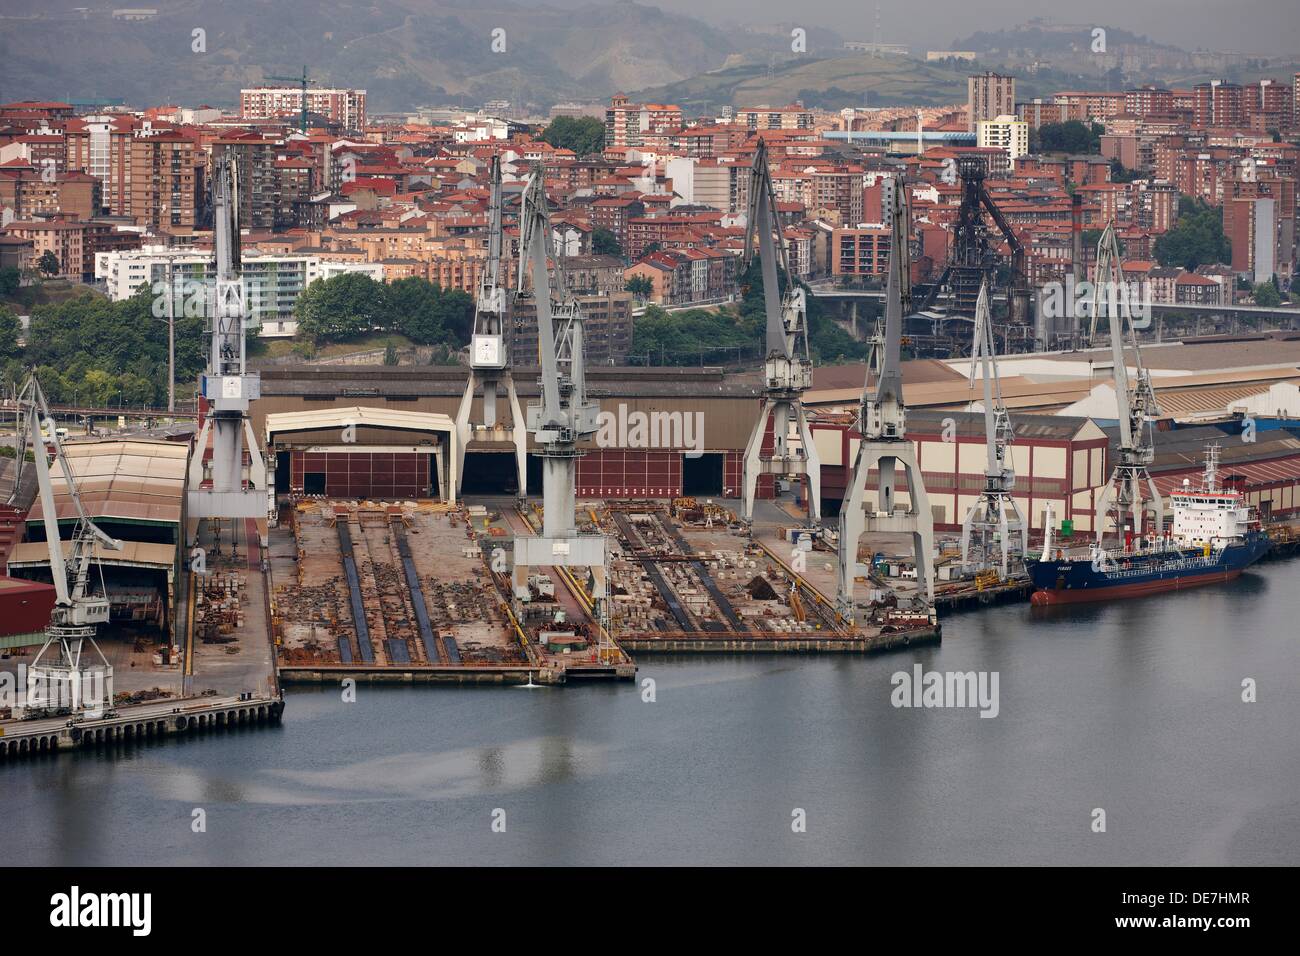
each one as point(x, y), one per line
point(136, 722)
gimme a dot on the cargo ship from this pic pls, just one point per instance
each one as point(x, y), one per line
point(1215, 536)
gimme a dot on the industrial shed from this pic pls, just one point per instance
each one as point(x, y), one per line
point(134, 489)
point(624, 467)
point(1058, 461)
point(362, 451)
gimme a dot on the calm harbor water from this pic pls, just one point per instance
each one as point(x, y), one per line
point(1133, 707)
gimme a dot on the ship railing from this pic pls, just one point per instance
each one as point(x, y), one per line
point(1184, 564)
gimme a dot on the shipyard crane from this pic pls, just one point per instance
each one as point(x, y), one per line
point(488, 360)
point(227, 386)
point(1136, 401)
point(787, 369)
point(57, 678)
point(882, 422)
point(564, 416)
point(996, 511)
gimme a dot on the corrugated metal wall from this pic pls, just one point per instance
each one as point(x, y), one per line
point(362, 474)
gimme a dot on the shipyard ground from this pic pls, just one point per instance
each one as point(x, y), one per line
point(223, 674)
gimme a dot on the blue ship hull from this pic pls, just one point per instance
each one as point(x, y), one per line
point(1076, 580)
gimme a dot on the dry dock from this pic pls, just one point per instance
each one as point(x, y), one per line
point(414, 592)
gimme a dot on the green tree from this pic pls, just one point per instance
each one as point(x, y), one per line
point(390, 353)
point(605, 243)
point(428, 314)
point(10, 280)
point(10, 329)
point(583, 134)
point(345, 306)
point(1119, 174)
point(1071, 136)
point(90, 348)
point(639, 286)
point(48, 263)
point(1266, 294)
point(1195, 239)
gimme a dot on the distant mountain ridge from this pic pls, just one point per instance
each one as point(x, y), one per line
point(405, 53)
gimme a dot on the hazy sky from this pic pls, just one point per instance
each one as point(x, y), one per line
point(1245, 26)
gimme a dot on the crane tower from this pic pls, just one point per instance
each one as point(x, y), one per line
point(227, 385)
point(996, 512)
point(488, 361)
point(564, 416)
point(1122, 497)
point(882, 420)
point(59, 679)
point(787, 370)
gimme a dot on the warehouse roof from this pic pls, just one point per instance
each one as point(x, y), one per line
point(359, 416)
point(128, 479)
point(136, 554)
point(330, 383)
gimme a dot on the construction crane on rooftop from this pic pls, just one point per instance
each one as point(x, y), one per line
point(1135, 400)
point(787, 371)
point(303, 80)
point(882, 419)
point(995, 513)
point(59, 680)
point(488, 358)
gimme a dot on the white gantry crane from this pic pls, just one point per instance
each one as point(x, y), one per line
point(62, 676)
point(488, 361)
point(564, 416)
point(227, 385)
point(1136, 401)
point(996, 512)
point(787, 369)
point(885, 446)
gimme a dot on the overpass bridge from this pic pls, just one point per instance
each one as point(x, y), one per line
point(1281, 313)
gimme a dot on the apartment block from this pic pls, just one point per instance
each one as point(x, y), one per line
point(1217, 104)
point(346, 108)
point(860, 252)
point(988, 96)
point(1003, 132)
point(629, 124)
point(792, 117)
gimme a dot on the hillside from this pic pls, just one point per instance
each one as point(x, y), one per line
point(406, 53)
point(831, 83)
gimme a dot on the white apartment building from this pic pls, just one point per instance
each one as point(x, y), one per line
point(703, 182)
point(1003, 132)
point(272, 283)
point(345, 107)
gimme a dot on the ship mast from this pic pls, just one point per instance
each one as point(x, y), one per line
point(1136, 401)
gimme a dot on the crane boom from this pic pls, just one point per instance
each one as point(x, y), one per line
point(59, 684)
point(885, 447)
point(787, 369)
point(564, 416)
point(488, 357)
point(995, 512)
point(1136, 404)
